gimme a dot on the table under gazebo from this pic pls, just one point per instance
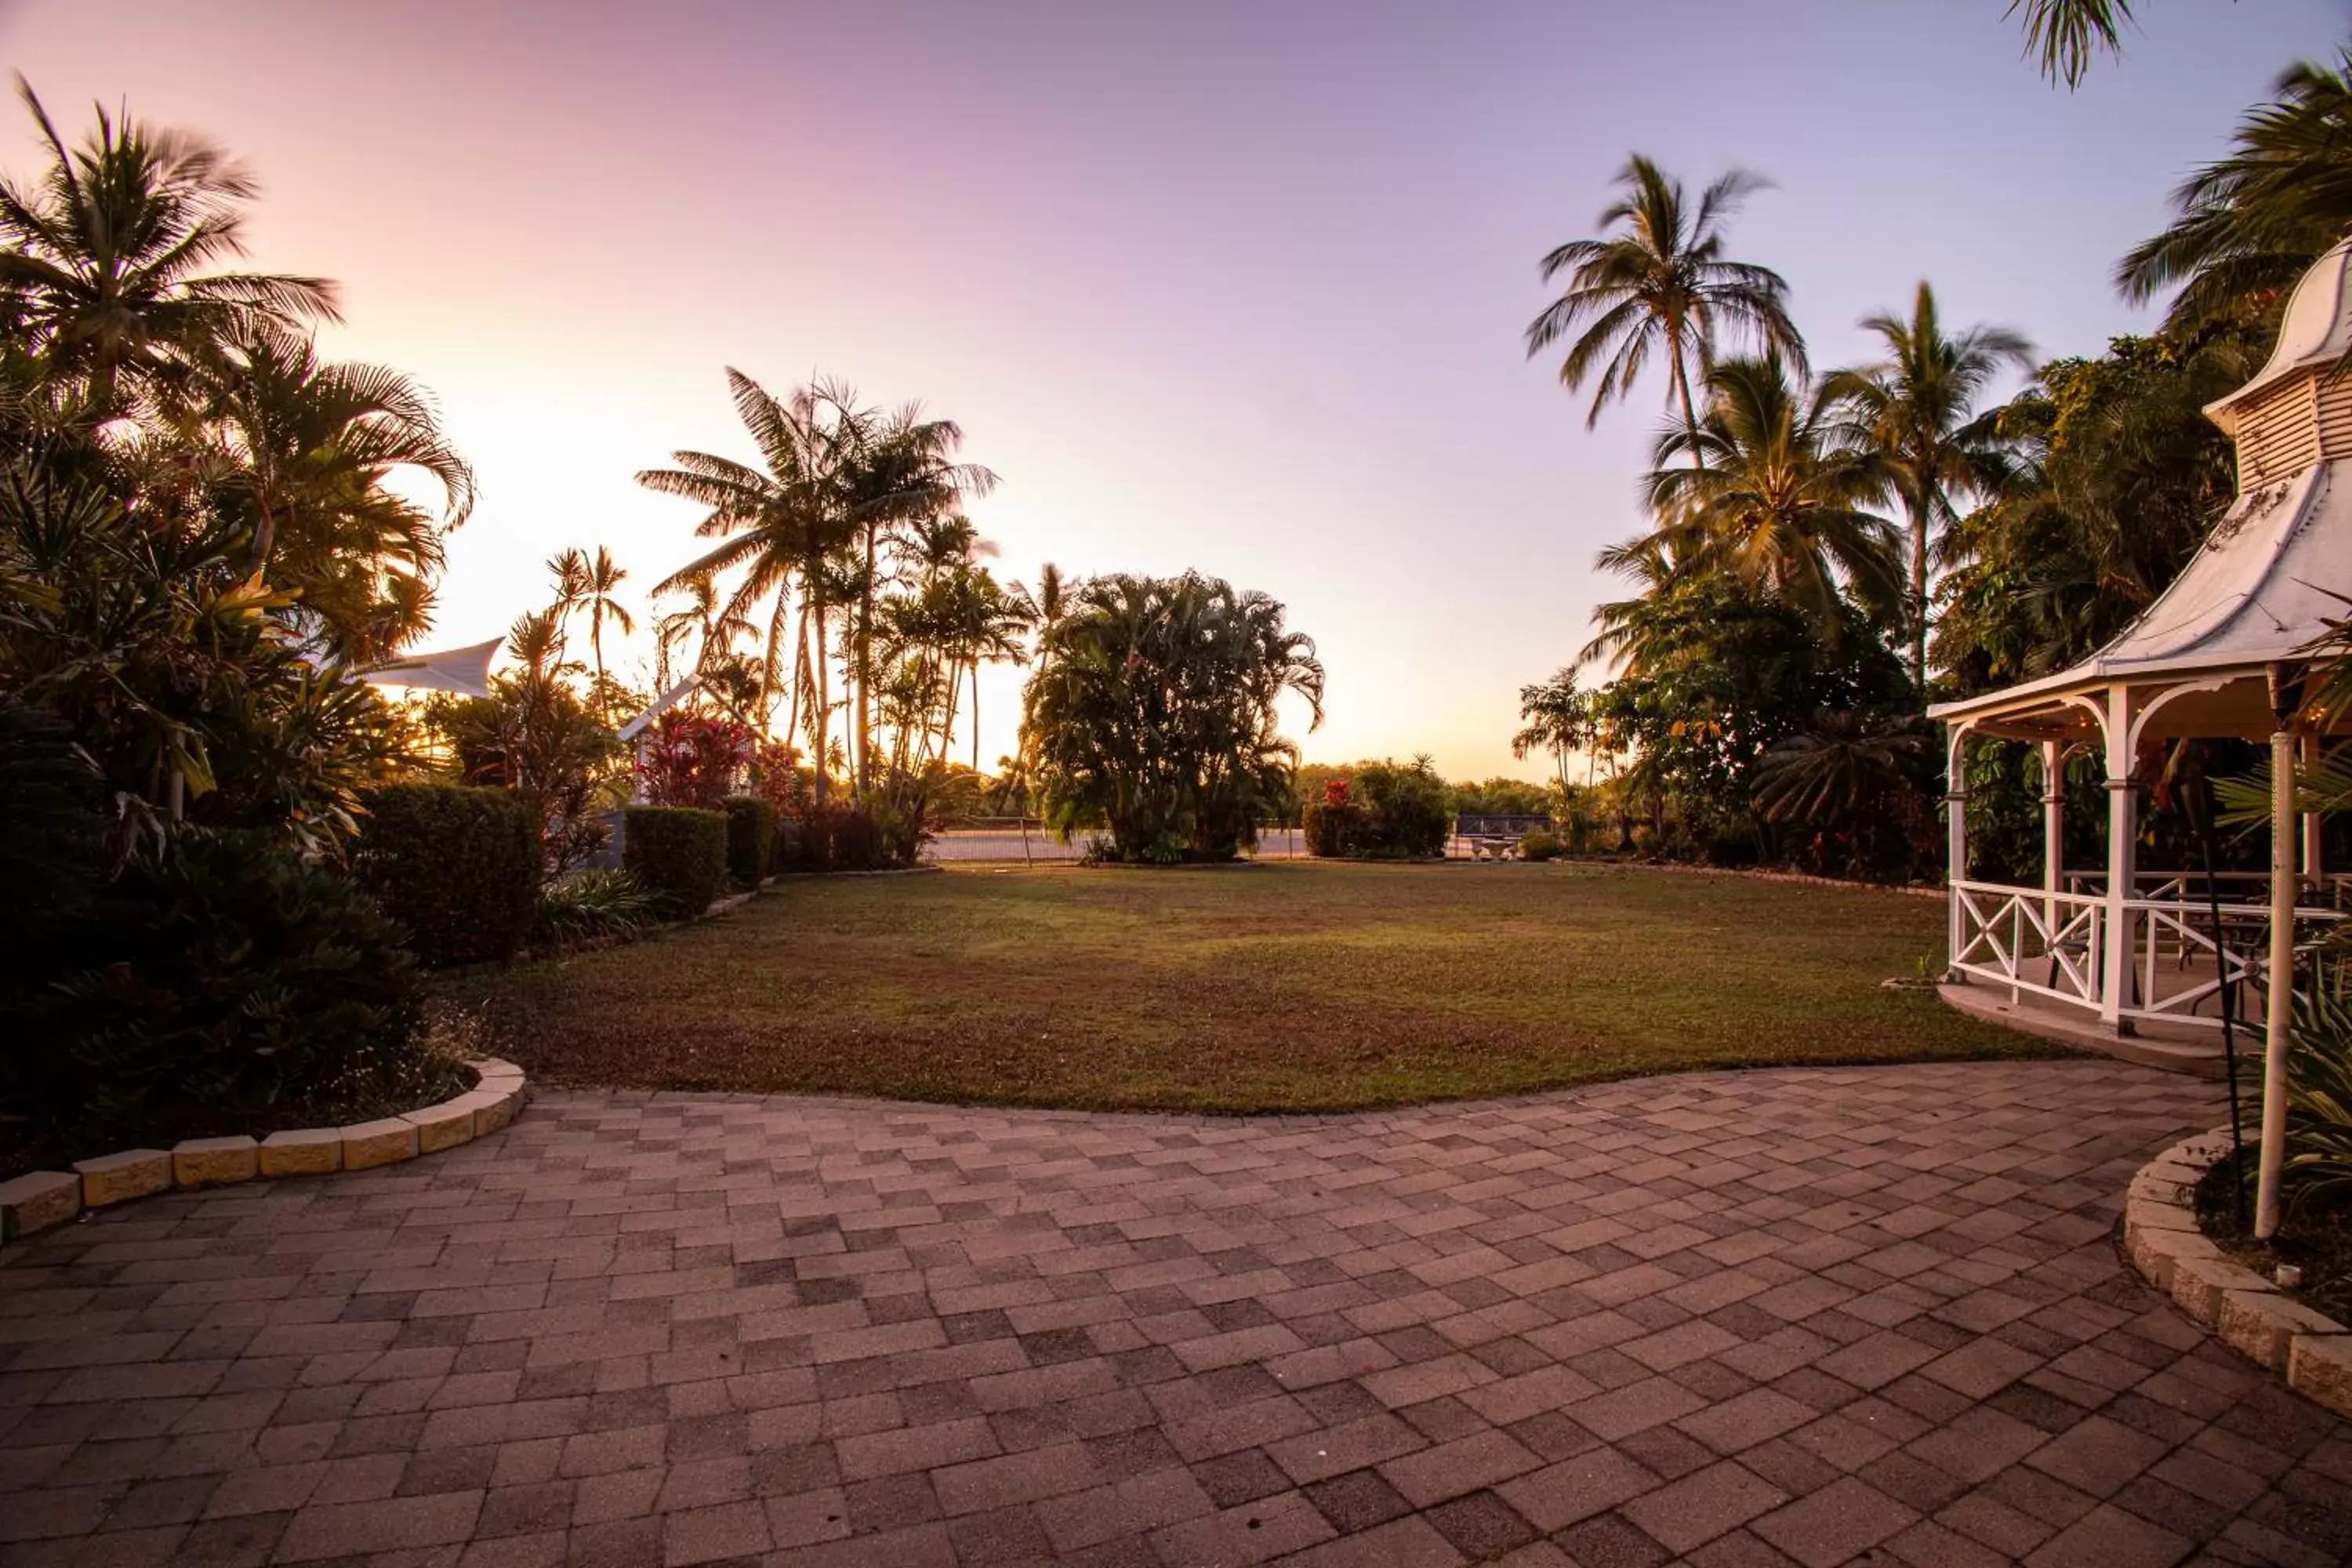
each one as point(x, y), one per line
point(2224, 652)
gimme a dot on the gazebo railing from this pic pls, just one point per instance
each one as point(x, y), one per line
point(2050, 944)
point(2029, 939)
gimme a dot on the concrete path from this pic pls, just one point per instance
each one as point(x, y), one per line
point(1814, 1316)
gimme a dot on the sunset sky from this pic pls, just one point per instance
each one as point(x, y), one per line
point(1230, 286)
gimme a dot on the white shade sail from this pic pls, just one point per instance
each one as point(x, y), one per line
point(464, 670)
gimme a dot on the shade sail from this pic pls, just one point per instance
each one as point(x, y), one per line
point(464, 670)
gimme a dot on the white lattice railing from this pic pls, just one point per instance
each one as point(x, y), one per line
point(2029, 939)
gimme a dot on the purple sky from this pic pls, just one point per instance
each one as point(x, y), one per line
point(1237, 287)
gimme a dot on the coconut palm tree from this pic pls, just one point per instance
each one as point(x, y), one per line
point(1660, 285)
point(2251, 224)
point(780, 523)
point(602, 604)
point(1558, 719)
point(1762, 490)
point(902, 471)
point(106, 257)
point(1916, 410)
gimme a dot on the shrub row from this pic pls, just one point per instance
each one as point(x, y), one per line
point(1393, 812)
point(751, 839)
point(459, 866)
point(677, 853)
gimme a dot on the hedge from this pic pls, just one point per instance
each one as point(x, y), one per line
point(1330, 830)
point(677, 853)
point(459, 866)
point(751, 839)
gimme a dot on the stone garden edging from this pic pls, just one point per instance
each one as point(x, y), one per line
point(41, 1199)
point(2250, 1314)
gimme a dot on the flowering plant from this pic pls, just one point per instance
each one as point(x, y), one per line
point(691, 759)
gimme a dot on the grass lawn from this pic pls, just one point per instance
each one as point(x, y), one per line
point(1277, 986)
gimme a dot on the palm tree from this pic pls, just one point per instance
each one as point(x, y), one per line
point(712, 624)
point(1768, 495)
point(901, 471)
point(570, 570)
point(1660, 285)
point(600, 602)
point(2067, 32)
point(1915, 411)
point(2251, 224)
point(316, 441)
point(780, 523)
point(107, 255)
point(1558, 719)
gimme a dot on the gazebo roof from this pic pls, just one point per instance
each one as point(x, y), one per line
point(2276, 570)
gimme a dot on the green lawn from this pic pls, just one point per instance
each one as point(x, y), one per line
point(1277, 986)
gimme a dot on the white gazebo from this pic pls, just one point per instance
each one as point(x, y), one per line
point(2128, 956)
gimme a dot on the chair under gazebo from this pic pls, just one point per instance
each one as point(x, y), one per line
point(2134, 961)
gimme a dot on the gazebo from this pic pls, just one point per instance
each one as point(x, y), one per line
point(2134, 959)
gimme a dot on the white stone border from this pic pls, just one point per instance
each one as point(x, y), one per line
point(2165, 1243)
point(41, 1199)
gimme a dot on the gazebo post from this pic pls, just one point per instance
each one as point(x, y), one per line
point(2053, 827)
point(2285, 697)
point(2123, 845)
point(1956, 838)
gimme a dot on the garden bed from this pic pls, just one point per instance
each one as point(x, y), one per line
point(1306, 987)
point(2314, 1239)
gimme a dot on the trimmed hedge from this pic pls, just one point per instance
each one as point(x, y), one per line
point(751, 839)
point(1540, 846)
point(677, 853)
point(459, 866)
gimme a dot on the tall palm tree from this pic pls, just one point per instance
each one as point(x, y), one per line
point(568, 568)
point(2252, 222)
point(1916, 410)
point(1762, 490)
point(1660, 285)
point(902, 470)
point(780, 522)
point(107, 257)
point(1557, 719)
point(708, 621)
point(602, 604)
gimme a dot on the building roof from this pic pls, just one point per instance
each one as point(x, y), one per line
point(2275, 570)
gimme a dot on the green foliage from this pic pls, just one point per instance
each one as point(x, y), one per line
point(1408, 810)
point(582, 906)
point(1506, 797)
point(1541, 847)
point(751, 839)
point(175, 670)
point(457, 867)
point(52, 826)
point(678, 854)
point(848, 836)
point(219, 973)
point(1332, 829)
point(534, 735)
point(2318, 1171)
point(1152, 712)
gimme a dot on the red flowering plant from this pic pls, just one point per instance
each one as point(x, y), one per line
point(692, 759)
point(1335, 790)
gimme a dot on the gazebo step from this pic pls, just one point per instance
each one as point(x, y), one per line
point(2196, 1058)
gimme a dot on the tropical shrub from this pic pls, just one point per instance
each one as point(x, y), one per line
point(533, 734)
point(1332, 829)
point(1408, 809)
point(1541, 847)
point(751, 839)
point(848, 836)
point(587, 905)
point(459, 867)
point(692, 759)
point(220, 975)
point(678, 854)
point(1152, 712)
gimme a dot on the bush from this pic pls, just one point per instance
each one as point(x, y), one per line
point(457, 865)
point(678, 854)
point(1541, 847)
point(751, 839)
point(220, 973)
point(1332, 829)
point(586, 905)
point(1386, 811)
point(847, 837)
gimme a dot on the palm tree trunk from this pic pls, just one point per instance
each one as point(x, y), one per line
point(975, 715)
point(865, 666)
point(821, 699)
point(1920, 596)
point(1683, 390)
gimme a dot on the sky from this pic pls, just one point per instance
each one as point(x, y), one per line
point(1230, 286)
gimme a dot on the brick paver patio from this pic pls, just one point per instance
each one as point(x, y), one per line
point(1809, 1316)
